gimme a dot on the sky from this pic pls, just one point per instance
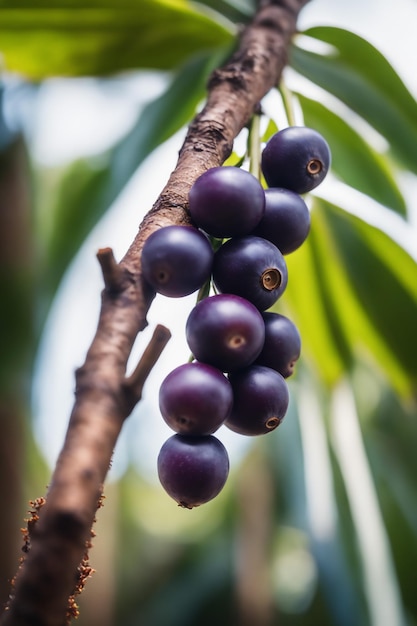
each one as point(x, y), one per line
point(76, 118)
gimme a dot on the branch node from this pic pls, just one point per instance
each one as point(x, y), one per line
point(111, 270)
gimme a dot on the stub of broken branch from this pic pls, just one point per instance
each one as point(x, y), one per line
point(133, 385)
point(111, 270)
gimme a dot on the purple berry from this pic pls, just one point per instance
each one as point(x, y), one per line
point(251, 267)
point(193, 470)
point(296, 158)
point(260, 400)
point(286, 221)
point(195, 399)
point(226, 202)
point(177, 260)
point(282, 345)
point(225, 331)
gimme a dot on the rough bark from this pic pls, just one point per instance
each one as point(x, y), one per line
point(104, 397)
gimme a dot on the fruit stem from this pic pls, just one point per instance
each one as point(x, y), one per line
point(287, 101)
point(204, 290)
point(254, 146)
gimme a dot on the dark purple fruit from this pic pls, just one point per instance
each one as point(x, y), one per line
point(286, 221)
point(260, 400)
point(226, 202)
point(251, 267)
point(177, 260)
point(296, 158)
point(282, 345)
point(225, 331)
point(195, 399)
point(193, 470)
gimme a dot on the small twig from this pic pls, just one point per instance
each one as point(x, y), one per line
point(111, 270)
point(134, 383)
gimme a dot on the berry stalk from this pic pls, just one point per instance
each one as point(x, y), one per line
point(254, 146)
point(287, 101)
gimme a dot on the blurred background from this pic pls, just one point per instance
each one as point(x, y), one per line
point(317, 523)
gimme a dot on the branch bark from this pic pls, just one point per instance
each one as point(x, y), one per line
point(104, 397)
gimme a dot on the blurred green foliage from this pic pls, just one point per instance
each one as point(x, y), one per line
point(296, 499)
point(356, 73)
point(98, 37)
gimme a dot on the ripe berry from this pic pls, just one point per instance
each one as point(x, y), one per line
point(226, 202)
point(195, 399)
point(296, 158)
point(260, 400)
point(193, 470)
point(225, 331)
point(177, 260)
point(286, 221)
point(282, 345)
point(251, 267)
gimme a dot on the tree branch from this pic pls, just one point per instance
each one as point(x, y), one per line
point(47, 577)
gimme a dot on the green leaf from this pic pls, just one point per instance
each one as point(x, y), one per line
point(308, 307)
point(313, 498)
point(360, 76)
point(234, 160)
point(353, 294)
point(270, 130)
point(99, 38)
point(353, 159)
point(236, 10)
point(390, 432)
point(371, 286)
point(390, 444)
point(91, 185)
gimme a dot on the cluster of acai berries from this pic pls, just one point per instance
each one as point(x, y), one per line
point(242, 353)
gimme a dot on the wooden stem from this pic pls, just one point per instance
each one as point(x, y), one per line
point(102, 399)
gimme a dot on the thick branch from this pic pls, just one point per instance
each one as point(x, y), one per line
point(103, 400)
